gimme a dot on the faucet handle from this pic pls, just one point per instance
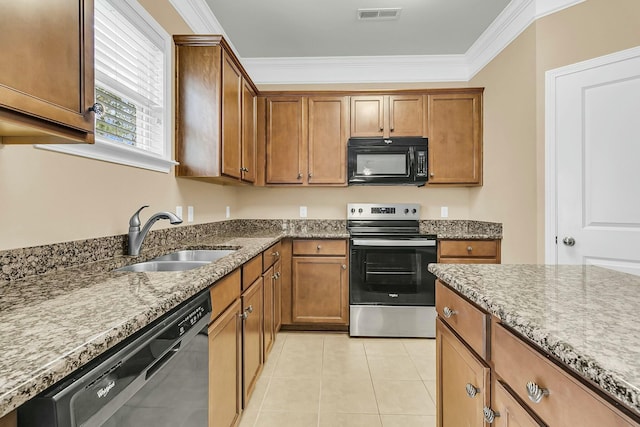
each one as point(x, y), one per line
point(135, 218)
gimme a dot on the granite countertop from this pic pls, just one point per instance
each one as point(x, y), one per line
point(52, 324)
point(584, 316)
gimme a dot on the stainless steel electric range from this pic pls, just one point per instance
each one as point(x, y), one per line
point(391, 293)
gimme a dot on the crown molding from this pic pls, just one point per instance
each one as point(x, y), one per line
point(511, 22)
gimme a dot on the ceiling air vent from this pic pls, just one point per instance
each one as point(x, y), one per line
point(379, 14)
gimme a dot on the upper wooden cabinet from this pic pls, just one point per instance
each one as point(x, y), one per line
point(454, 129)
point(387, 115)
point(47, 81)
point(215, 112)
point(306, 140)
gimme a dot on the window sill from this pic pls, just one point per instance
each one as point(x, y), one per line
point(114, 153)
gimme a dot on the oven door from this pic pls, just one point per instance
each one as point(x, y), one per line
point(392, 271)
point(380, 165)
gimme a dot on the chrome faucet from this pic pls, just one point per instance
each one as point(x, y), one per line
point(136, 236)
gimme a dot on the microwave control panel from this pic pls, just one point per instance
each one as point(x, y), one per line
point(421, 163)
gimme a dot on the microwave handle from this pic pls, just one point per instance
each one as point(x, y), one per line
point(412, 161)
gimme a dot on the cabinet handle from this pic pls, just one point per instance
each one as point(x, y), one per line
point(299, 176)
point(276, 276)
point(489, 414)
point(469, 248)
point(250, 309)
point(432, 175)
point(344, 266)
point(535, 392)
point(243, 315)
point(276, 253)
point(471, 390)
point(98, 109)
point(243, 169)
point(448, 312)
point(310, 175)
point(319, 247)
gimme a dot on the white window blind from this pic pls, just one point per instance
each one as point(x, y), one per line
point(129, 70)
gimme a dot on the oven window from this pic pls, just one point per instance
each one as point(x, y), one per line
point(381, 164)
point(392, 276)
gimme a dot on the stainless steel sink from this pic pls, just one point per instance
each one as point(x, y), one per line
point(208, 255)
point(156, 265)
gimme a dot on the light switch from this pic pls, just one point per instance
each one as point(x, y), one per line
point(189, 213)
point(444, 212)
point(179, 211)
point(303, 211)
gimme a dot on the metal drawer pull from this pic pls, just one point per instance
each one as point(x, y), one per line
point(535, 392)
point(243, 315)
point(276, 253)
point(472, 390)
point(344, 266)
point(98, 109)
point(319, 247)
point(250, 309)
point(448, 312)
point(489, 414)
point(469, 248)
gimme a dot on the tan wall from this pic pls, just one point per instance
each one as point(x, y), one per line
point(585, 31)
point(51, 197)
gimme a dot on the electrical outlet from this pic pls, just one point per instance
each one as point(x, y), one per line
point(227, 212)
point(444, 212)
point(179, 211)
point(189, 213)
point(303, 211)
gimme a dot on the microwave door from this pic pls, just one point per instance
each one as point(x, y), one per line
point(382, 164)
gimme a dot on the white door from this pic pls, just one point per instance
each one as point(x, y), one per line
point(594, 123)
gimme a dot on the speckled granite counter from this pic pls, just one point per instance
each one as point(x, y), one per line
point(61, 305)
point(586, 317)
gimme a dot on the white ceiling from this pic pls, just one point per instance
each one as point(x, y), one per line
point(320, 28)
point(321, 41)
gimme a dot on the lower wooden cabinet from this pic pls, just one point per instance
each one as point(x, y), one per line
point(462, 380)
point(507, 411)
point(268, 278)
point(277, 297)
point(9, 420)
point(320, 285)
point(225, 368)
point(528, 387)
point(252, 330)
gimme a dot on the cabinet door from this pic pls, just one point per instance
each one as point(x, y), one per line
point(248, 167)
point(47, 80)
point(225, 368)
point(268, 279)
point(328, 129)
point(231, 117)
point(511, 413)
point(454, 129)
point(320, 291)
point(252, 337)
point(462, 381)
point(277, 297)
point(367, 116)
point(285, 152)
point(406, 115)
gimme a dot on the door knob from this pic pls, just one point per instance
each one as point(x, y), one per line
point(569, 241)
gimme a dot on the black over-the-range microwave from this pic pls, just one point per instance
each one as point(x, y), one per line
point(387, 161)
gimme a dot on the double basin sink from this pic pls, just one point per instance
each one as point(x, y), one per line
point(179, 261)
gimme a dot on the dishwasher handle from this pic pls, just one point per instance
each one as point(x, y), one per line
point(162, 361)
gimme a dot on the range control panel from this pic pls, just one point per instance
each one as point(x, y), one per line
point(383, 211)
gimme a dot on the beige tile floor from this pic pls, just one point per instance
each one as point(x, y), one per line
point(331, 380)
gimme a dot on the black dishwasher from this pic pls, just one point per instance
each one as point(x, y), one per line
point(159, 378)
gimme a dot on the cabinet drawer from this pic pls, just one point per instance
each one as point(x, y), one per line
point(319, 247)
point(224, 292)
point(511, 412)
point(568, 402)
point(469, 248)
point(467, 320)
point(270, 256)
point(251, 270)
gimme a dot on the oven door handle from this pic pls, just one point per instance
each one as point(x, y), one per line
point(389, 242)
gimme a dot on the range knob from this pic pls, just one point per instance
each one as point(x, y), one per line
point(360, 210)
point(353, 210)
point(414, 210)
point(406, 211)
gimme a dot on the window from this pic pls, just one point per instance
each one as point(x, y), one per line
point(132, 69)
